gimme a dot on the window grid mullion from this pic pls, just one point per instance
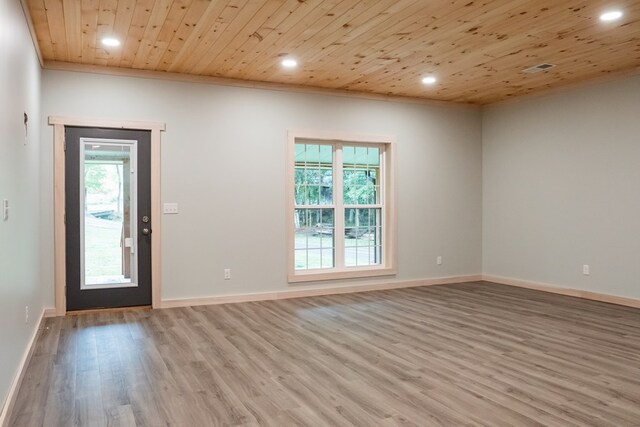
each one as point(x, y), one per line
point(339, 209)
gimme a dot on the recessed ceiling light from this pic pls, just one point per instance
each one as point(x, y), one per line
point(612, 15)
point(429, 80)
point(289, 63)
point(110, 41)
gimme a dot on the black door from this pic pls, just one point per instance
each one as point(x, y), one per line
point(108, 217)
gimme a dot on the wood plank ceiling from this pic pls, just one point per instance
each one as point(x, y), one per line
point(476, 48)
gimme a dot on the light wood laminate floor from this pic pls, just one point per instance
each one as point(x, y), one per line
point(467, 354)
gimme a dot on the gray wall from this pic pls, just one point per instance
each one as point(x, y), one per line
point(562, 188)
point(224, 156)
point(20, 284)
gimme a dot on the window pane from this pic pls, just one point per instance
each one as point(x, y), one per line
point(327, 238)
point(360, 175)
point(312, 176)
point(364, 195)
point(349, 193)
point(301, 260)
point(350, 257)
point(363, 236)
point(326, 189)
point(313, 179)
point(300, 152)
point(373, 156)
point(326, 154)
point(362, 155)
point(348, 155)
point(312, 153)
point(327, 218)
point(326, 195)
point(314, 257)
point(350, 219)
point(300, 195)
point(327, 258)
point(314, 238)
point(313, 195)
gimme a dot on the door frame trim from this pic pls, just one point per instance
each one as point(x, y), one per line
point(59, 229)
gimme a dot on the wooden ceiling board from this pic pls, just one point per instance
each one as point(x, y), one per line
point(233, 41)
point(175, 14)
point(349, 43)
point(150, 37)
point(114, 19)
point(309, 34)
point(194, 12)
point(478, 49)
point(141, 14)
point(89, 11)
point(223, 64)
point(234, 28)
point(290, 29)
point(485, 51)
point(41, 25)
point(193, 44)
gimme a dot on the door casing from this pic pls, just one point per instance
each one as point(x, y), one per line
point(59, 123)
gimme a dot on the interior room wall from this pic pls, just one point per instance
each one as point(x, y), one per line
point(223, 162)
point(20, 284)
point(562, 188)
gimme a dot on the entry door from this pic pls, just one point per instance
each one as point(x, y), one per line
point(108, 217)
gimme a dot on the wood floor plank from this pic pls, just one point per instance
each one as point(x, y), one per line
point(476, 354)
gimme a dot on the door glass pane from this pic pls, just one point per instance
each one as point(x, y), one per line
point(108, 212)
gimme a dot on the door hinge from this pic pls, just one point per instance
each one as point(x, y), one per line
point(65, 218)
point(65, 145)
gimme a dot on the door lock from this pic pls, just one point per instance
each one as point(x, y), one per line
point(146, 231)
point(145, 219)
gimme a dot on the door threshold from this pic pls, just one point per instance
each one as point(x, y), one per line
point(108, 310)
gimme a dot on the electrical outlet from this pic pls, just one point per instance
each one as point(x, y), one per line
point(585, 270)
point(439, 260)
point(26, 314)
point(227, 274)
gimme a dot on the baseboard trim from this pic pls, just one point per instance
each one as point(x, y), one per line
point(49, 312)
point(334, 290)
point(7, 409)
point(554, 289)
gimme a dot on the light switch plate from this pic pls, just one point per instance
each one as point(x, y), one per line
point(170, 208)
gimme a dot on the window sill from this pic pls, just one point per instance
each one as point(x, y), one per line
point(315, 276)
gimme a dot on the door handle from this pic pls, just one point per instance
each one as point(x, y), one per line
point(146, 231)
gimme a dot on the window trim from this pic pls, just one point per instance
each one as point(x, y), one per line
point(388, 268)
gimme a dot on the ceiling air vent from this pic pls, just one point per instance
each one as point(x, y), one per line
point(538, 68)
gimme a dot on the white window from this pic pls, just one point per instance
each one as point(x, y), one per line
point(340, 207)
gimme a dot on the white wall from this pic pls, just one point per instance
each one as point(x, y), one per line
point(224, 153)
point(562, 189)
point(20, 284)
